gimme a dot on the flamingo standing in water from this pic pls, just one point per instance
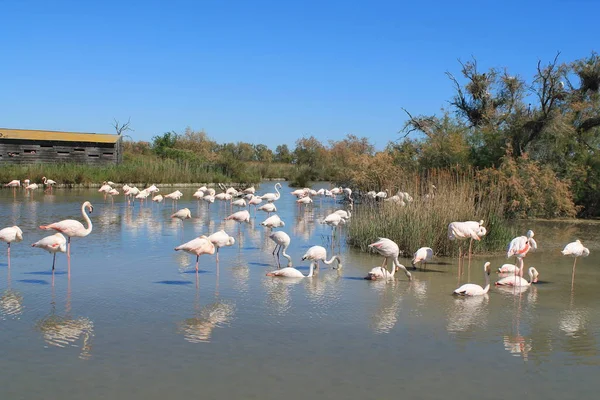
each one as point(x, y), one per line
point(519, 247)
point(575, 249)
point(52, 244)
point(470, 289)
point(389, 250)
point(112, 193)
point(273, 222)
point(182, 214)
point(282, 241)
point(319, 253)
point(333, 220)
point(73, 228)
point(11, 234)
point(200, 245)
point(13, 184)
point(221, 239)
point(271, 197)
point(268, 208)
point(423, 256)
point(48, 183)
point(291, 272)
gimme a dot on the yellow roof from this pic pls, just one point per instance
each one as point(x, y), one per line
point(28, 134)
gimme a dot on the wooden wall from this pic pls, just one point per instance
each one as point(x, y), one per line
point(20, 151)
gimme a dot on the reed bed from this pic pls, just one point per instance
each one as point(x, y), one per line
point(146, 169)
point(424, 221)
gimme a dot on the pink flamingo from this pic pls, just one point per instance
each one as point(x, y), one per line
point(389, 250)
point(319, 253)
point(200, 245)
point(239, 217)
point(73, 228)
point(52, 244)
point(14, 183)
point(11, 234)
point(519, 247)
point(221, 239)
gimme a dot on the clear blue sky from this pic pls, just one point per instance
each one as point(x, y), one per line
point(264, 71)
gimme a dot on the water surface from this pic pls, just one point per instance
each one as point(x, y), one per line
point(134, 321)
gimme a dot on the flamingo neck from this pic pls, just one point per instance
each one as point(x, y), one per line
point(88, 230)
point(287, 256)
point(487, 283)
point(278, 195)
point(310, 272)
point(328, 262)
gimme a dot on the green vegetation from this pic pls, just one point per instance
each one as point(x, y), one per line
point(456, 197)
point(535, 142)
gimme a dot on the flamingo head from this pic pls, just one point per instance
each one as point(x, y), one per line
point(231, 241)
point(89, 206)
point(487, 268)
point(534, 275)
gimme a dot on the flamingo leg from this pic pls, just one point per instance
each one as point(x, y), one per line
point(573, 274)
point(53, 262)
point(217, 254)
point(8, 252)
point(197, 260)
point(276, 245)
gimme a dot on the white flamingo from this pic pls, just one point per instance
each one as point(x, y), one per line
point(389, 250)
point(282, 241)
point(221, 239)
point(515, 280)
point(575, 249)
point(470, 289)
point(319, 253)
point(291, 272)
point(273, 222)
point(11, 234)
point(271, 197)
point(73, 228)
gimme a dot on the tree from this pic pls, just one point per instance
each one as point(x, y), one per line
point(309, 151)
point(283, 154)
point(121, 128)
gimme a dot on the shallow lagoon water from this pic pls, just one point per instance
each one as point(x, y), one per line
point(131, 322)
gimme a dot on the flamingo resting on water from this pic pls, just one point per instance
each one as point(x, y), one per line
point(515, 280)
point(470, 289)
point(73, 228)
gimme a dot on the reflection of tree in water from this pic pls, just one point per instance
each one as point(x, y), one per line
point(63, 331)
point(199, 328)
point(466, 313)
point(385, 317)
point(11, 304)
